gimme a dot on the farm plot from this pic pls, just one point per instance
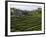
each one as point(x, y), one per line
point(30, 22)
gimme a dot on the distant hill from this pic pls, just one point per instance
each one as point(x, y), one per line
point(20, 13)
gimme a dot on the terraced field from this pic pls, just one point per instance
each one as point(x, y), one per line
point(31, 22)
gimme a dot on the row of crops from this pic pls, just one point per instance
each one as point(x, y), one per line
point(29, 22)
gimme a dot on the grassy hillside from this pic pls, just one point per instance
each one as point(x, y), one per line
point(30, 22)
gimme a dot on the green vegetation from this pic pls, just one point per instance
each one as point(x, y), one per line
point(30, 22)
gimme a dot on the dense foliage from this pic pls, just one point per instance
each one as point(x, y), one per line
point(31, 21)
